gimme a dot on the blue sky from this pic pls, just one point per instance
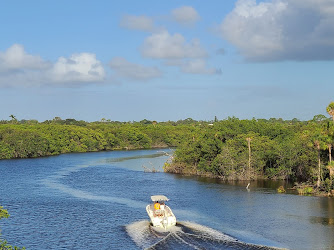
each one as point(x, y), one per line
point(166, 60)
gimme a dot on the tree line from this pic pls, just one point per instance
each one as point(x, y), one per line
point(29, 139)
point(234, 149)
point(231, 149)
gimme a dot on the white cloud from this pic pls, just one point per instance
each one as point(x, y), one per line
point(18, 68)
point(163, 45)
point(281, 29)
point(129, 70)
point(185, 15)
point(83, 67)
point(197, 66)
point(15, 58)
point(175, 51)
point(142, 23)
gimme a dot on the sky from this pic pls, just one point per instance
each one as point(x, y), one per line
point(166, 60)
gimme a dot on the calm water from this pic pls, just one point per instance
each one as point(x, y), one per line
point(97, 201)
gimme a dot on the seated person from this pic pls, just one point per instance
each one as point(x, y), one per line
point(156, 206)
point(157, 210)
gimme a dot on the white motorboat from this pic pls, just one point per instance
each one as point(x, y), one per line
point(160, 214)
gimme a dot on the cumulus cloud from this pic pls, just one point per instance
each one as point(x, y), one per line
point(185, 15)
point(142, 23)
point(163, 45)
point(281, 29)
point(174, 50)
point(83, 67)
point(133, 71)
point(197, 66)
point(15, 58)
point(18, 68)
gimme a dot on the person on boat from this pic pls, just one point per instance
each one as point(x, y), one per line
point(162, 206)
point(157, 206)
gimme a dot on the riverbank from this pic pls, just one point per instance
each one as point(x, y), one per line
point(301, 188)
point(310, 189)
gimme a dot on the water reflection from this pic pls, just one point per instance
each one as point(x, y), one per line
point(322, 220)
point(121, 159)
point(258, 185)
point(327, 206)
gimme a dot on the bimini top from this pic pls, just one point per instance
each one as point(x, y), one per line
point(159, 198)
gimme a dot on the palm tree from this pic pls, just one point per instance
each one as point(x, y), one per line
point(329, 146)
point(330, 110)
point(317, 144)
point(330, 166)
point(248, 139)
point(13, 118)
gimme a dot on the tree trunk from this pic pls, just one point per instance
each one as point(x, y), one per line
point(319, 166)
point(330, 152)
point(249, 157)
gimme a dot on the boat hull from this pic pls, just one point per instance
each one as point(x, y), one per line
point(162, 218)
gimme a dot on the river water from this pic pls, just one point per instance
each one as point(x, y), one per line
point(97, 201)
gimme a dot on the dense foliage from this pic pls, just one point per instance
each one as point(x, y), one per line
point(249, 149)
point(26, 139)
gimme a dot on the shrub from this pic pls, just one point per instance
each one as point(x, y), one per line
point(281, 189)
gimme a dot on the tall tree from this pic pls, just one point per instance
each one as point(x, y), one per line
point(317, 144)
point(329, 152)
point(330, 110)
point(319, 141)
point(248, 139)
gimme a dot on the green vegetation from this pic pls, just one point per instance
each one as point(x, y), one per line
point(26, 139)
point(234, 149)
point(281, 189)
point(229, 149)
point(305, 190)
point(3, 243)
point(251, 149)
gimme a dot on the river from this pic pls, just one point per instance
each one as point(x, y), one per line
point(97, 201)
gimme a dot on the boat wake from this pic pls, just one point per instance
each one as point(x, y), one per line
point(185, 235)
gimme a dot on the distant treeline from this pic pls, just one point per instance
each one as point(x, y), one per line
point(230, 149)
point(29, 138)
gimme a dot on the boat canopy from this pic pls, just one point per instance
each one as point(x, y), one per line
point(159, 198)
